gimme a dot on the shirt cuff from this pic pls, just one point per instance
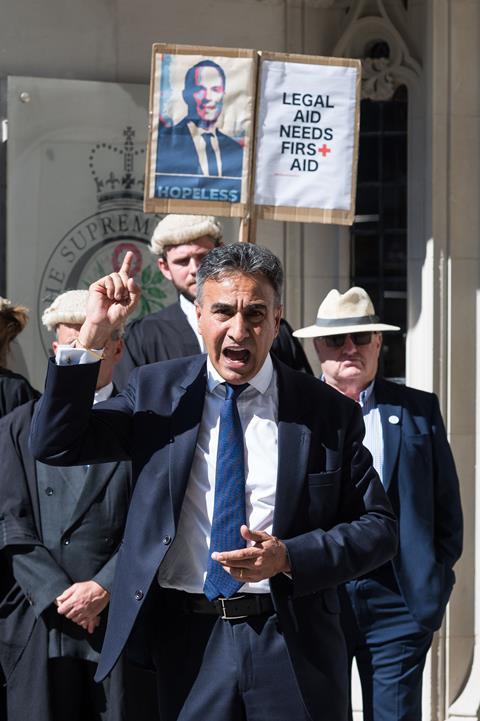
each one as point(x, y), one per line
point(68, 356)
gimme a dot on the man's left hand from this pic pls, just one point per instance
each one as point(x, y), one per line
point(82, 603)
point(265, 558)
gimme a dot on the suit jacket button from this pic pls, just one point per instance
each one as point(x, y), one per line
point(138, 595)
point(49, 491)
point(66, 541)
point(167, 540)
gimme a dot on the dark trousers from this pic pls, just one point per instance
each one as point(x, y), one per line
point(74, 695)
point(208, 668)
point(389, 647)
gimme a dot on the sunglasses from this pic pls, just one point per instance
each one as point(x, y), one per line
point(337, 341)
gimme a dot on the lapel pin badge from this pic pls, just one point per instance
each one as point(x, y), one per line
point(394, 420)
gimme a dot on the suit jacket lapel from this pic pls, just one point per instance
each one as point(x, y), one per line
point(391, 418)
point(293, 451)
point(187, 409)
point(95, 480)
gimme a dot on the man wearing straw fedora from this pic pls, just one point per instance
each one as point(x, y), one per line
point(389, 615)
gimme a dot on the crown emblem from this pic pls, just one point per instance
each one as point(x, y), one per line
point(118, 171)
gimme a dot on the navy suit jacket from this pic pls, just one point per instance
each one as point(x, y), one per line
point(177, 154)
point(421, 481)
point(330, 507)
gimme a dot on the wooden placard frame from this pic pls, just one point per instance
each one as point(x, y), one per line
point(154, 204)
point(315, 215)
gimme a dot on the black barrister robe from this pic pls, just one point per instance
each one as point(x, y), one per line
point(14, 391)
point(34, 573)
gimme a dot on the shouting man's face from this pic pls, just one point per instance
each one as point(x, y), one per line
point(238, 317)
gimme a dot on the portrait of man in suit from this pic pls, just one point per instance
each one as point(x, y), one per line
point(389, 614)
point(254, 499)
point(196, 152)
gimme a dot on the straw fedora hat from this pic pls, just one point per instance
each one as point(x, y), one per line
point(349, 312)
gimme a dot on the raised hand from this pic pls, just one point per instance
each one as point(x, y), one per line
point(110, 301)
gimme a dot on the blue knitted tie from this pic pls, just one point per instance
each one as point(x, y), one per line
point(211, 157)
point(229, 506)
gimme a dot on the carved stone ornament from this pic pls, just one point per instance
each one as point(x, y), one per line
point(378, 80)
point(369, 24)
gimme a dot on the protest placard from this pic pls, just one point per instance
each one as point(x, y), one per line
point(279, 144)
point(307, 138)
point(201, 128)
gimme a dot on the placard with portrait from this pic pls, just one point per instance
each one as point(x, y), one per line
point(201, 127)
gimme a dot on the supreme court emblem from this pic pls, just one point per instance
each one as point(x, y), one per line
point(96, 245)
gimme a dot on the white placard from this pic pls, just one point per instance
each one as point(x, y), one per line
point(305, 153)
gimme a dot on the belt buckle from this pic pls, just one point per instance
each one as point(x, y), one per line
point(225, 617)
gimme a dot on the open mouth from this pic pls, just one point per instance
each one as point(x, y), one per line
point(237, 355)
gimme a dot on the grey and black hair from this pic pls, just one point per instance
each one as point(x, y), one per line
point(241, 258)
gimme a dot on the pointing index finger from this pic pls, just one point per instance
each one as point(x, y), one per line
point(127, 263)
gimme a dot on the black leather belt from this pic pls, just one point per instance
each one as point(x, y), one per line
point(249, 604)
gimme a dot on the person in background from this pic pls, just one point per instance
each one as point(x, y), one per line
point(180, 243)
point(389, 614)
point(14, 388)
point(60, 529)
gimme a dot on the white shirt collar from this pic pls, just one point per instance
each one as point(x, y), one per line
point(261, 381)
point(103, 393)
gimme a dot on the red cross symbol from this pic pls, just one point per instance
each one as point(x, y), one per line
point(324, 150)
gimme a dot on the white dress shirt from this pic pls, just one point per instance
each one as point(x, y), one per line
point(185, 564)
point(373, 427)
point(103, 394)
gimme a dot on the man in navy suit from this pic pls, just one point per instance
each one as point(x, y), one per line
point(390, 614)
point(314, 512)
point(196, 146)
